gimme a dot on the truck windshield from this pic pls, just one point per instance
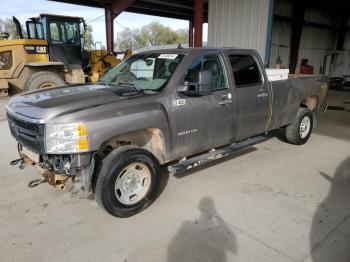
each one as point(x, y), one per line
point(150, 71)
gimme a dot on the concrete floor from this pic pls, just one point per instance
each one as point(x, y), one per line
point(274, 202)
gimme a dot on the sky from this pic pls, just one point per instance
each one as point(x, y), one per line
point(23, 9)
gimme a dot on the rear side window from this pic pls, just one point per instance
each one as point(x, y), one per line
point(245, 70)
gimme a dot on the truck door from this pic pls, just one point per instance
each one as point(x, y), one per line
point(203, 122)
point(252, 94)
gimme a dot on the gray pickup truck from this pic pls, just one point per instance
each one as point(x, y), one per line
point(177, 108)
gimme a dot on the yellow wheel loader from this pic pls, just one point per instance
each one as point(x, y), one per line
point(52, 55)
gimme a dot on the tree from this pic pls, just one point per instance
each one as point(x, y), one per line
point(9, 26)
point(150, 35)
point(182, 36)
point(88, 38)
point(128, 39)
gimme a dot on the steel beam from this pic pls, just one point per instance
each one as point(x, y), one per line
point(109, 29)
point(190, 34)
point(198, 23)
point(342, 31)
point(297, 27)
point(112, 12)
point(162, 8)
point(118, 6)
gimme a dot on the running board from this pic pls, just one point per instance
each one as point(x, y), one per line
point(213, 155)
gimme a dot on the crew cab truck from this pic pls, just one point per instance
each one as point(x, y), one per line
point(179, 106)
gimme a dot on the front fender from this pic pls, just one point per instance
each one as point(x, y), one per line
point(153, 117)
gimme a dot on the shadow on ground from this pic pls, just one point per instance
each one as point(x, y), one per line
point(207, 238)
point(330, 231)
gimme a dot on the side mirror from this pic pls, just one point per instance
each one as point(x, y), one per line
point(149, 62)
point(202, 88)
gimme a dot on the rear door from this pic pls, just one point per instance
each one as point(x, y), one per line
point(251, 93)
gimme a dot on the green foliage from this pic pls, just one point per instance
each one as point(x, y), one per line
point(150, 35)
point(88, 38)
point(9, 26)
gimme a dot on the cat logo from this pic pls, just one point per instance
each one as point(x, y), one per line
point(41, 49)
point(36, 49)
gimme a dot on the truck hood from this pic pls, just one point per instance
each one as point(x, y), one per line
point(46, 104)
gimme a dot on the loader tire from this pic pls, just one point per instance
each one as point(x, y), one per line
point(43, 79)
point(298, 133)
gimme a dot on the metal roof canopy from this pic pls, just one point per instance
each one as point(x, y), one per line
point(339, 6)
point(195, 11)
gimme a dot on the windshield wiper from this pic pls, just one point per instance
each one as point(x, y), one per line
point(102, 82)
point(138, 89)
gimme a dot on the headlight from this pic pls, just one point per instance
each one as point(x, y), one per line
point(66, 138)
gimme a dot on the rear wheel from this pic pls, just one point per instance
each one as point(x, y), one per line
point(44, 79)
point(128, 181)
point(299, 131)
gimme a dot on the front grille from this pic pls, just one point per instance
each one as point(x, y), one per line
point(28, 134)
point(6, 60)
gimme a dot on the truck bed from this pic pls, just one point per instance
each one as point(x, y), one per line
point(290, 93)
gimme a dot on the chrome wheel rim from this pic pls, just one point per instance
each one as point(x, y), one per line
point(133, 183)
point(305, 126)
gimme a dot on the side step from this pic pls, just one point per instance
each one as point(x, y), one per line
point(219, 153)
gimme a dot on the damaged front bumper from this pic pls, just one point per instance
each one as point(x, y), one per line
point(57, 170)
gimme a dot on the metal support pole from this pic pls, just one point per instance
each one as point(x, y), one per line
point(190, 34)
point(109, 29)
point(342, 32)
point(198, 23)
point(297, 27)
point(111, 12)
point(269, 33)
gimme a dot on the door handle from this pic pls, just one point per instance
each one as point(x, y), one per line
point(261, 95)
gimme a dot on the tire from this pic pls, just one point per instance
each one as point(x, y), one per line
point(113, 179)
point(44, 79)
point(298, 133)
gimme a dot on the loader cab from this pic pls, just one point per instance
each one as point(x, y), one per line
point(64, 37)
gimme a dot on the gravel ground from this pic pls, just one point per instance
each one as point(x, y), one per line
point(3, 102)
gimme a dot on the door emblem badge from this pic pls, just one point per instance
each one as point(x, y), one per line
point(179, 102)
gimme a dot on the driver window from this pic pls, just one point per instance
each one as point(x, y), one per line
point(64, 33)
point(72, 33)
point(143, 69)
point(57, 33)
point(55, 37)
point(209, 62)
point(40, 30)
point(31, 31)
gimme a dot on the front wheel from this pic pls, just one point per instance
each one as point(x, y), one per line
point(299, 131)
point(43, 79)
point(128, 181)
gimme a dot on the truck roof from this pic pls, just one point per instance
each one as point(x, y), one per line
point(194, 50)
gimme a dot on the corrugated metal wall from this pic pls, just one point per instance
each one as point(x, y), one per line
point(282, 52)
point(315, 57)
point(238, 23)
point(315, 43)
